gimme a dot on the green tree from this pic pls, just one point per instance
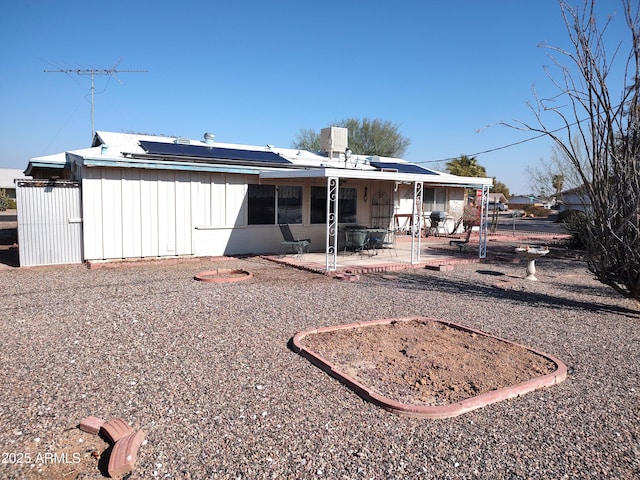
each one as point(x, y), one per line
point(465, 166)
point(307, 139)
point(499, 187)
point(366, 137)
point(557, 182)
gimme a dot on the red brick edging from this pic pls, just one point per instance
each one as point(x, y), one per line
point(428, 411)
point(124, 439)
point(219, 275)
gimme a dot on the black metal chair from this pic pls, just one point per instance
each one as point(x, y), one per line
point(291, 244)
point(460, 244)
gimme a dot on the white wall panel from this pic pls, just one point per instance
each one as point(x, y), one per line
point(112, 213)
point(166, 213)
point(49, 222)
point(92, 212)
point(200, 199)
point(236, 205)
point(218, 199)
point(183, 213)
point(149, 213)
point(131, 214)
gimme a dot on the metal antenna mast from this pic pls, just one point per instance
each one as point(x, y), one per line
point(93, 72)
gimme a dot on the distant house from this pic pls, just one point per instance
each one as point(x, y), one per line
point(521, 201)
point(134, 196)
point(497, 200)
point(574, 199)
point(7, 180)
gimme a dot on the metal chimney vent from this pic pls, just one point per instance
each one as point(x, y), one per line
point(209, 138)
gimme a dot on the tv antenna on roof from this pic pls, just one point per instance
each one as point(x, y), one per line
point(111, 72)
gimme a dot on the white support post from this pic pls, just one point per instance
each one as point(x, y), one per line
point(416, 224)
point(333, 189)
point(484, 217)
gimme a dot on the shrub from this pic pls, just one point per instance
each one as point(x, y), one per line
point(535, 211)
point(4, 201)
point(470, 217)
point(576, 223)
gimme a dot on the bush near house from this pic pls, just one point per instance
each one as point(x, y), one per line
point(535, 211)
point(5, 202)
point(576, 224)
point(470, 217)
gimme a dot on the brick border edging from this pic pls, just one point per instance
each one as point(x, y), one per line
point(209, 275)
point(389, 267)
point(132, 262)
point(428, 411)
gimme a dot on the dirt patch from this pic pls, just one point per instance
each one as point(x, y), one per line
point(424, 362)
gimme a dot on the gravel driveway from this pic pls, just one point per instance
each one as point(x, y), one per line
point(204, 369)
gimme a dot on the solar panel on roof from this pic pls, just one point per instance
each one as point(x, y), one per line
point(206, 152)
point(402, 168)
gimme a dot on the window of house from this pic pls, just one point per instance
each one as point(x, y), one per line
point(289, 205)
point(269, 204)
point(435, 199)
point(347, 202)
point(262, 204)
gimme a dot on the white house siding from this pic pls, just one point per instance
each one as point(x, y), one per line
point(133, 213)
point(49, 223)
point(220, 201)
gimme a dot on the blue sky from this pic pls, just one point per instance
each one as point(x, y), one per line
point(256, 72)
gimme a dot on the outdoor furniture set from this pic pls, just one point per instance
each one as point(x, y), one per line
point(351, 238)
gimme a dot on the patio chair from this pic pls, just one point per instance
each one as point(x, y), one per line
point(389, 241)
point(461, 243)
point(376, 238)
point(356, 240)
point(292, 245)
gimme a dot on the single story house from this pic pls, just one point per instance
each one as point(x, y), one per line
point(521, 201)
point(497, 200)
point(154, 196)
point(574, 199)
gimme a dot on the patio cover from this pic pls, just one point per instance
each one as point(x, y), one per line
point(431, 179)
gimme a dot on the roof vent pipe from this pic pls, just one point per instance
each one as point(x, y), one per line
point(209, 138)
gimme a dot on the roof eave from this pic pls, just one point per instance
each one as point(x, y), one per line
point(449, 180)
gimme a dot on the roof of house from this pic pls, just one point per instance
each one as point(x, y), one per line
point(8, 175)
point(497, 197)
point(127, 150)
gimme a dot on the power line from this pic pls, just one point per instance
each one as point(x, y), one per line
point(111, 72)
point(495, 149)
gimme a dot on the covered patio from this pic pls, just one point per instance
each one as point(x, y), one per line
point(408, 250)
point(435, 253)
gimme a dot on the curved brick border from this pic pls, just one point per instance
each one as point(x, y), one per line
point(217, 276)
point(426, 411)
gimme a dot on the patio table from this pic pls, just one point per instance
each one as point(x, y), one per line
point(361, 238)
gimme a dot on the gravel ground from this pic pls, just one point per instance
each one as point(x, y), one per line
point(204, 369)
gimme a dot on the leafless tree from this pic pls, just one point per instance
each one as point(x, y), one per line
point(599, 138)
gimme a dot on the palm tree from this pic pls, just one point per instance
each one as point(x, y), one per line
point(465, 166)
point(557, 181)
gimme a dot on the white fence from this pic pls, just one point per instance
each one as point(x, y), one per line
point(49, 222)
